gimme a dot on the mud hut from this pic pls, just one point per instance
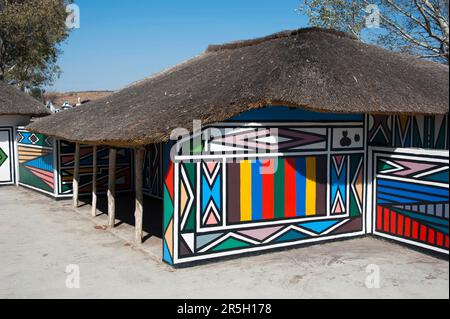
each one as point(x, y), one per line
point(305, 136)
point(16, 109)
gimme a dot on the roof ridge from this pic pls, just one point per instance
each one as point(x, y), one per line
point(274, 36)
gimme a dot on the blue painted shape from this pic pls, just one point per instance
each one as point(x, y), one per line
point(414, 187)
point(438, 177)
point(395, 199)
point(213, 192)
point(203, 240)
point(216, 191)
point(300, 178)
point(319, 226)
point(44, 163)
point(284, 113)
point(25, 140)
point(382, 201)
point(206, 194)
point(412, 195)
point(256, 190)
point(338, 182)
point(166, 254)
point(290, 236)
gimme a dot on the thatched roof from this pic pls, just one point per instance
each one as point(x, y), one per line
point(59, 98)
point(315, 69)
point(15, 102)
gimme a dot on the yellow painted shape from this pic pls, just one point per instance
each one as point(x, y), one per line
point(311, 179)
point(183, 198)
point(246, 190)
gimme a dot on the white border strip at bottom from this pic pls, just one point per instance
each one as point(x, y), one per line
point(37, 189)
point(261, 248)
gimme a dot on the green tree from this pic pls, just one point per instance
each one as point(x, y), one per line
point(419, 27)
point(30, 34)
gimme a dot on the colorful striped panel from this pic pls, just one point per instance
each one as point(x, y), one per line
point(282, 188)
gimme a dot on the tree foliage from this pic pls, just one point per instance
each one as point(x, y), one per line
point(419, 27)
point(30, 34)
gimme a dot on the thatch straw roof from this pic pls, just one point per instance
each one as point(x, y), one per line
point(15, 102)
point(315, 69)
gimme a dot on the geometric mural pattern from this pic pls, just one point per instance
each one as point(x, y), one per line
point(152, 171)
point(66, 166)
point(7, 162)
point(168, 214)
point(428, 132)
point(3, 156)
point(211, 194)
point(232, 205)
point(275, 139)
point(412, 200)
point(36, 167)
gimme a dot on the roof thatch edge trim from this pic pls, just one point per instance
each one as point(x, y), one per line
point(278, 35)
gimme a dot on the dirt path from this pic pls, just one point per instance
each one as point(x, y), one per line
point(40, 237)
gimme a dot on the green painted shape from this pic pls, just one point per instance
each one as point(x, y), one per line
point(279, 189)
point(66, 188)
point(168, 209)
point(28, 178)
point(230, 243)
point(383, 166)
point(354, 210)
point(3, 157)
point(190, 222)
point(417, 141)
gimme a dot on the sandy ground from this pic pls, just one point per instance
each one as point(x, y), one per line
point(39, 237)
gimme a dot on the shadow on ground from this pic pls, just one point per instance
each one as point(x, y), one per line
point(125, 204)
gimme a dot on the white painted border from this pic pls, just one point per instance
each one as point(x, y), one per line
point(262, 248)
point(12, 153)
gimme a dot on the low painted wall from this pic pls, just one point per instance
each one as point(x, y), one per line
point(410, 173)
point(8, 147)
point(47, 166)
point(258, 186)
point(7, 155)
point(153, 170)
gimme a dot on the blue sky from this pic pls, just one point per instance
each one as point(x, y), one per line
point(123, 41)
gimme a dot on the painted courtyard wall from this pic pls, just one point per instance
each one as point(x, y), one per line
point(227, 197)
point(410, 179)
point(47, 165)
point(8, 147)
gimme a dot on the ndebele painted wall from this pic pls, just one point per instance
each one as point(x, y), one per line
point(279, 177)
point(266, 179)
point(47, 165)
point(409, 171)
point(8, 149)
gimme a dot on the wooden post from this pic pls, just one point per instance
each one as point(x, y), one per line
point(94, 181)
point(139, 206)
point(112, 188)
point(76, 175)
